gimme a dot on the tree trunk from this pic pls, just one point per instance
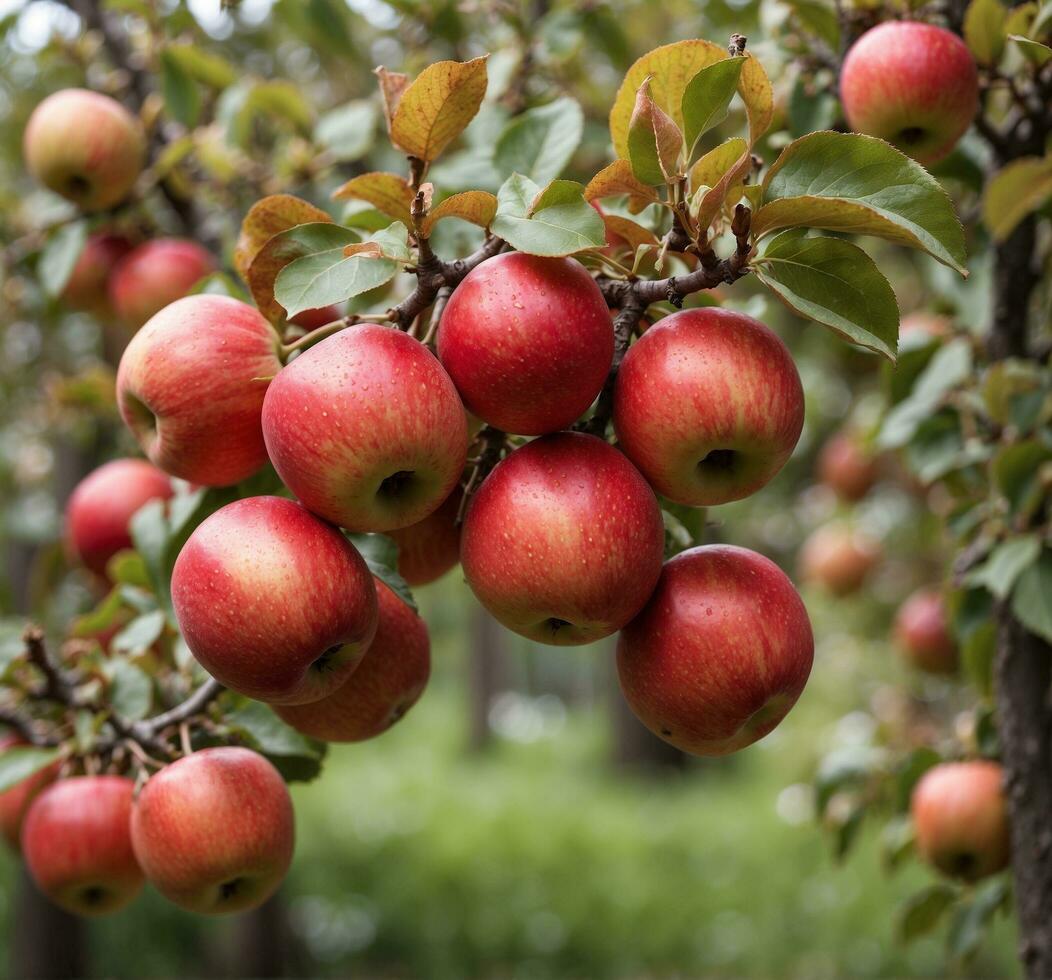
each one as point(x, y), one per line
point(262, 942)
point(485, 674)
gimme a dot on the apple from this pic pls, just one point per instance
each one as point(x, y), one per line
point(708, 405)
point(921, 328)
point(388, 682)
point(563, 542)
point(528, 341)
point(77, 844)
point(273, 603)
point(846, 467)
point(155, 274)
point(214, 831)
point(838, 558)
point(86, 147)
point(922, 633)
point(15, 801)
point(367, 429)
point(719, 654)
point(100, 509)
point(960, 819)
point(88, 283)
point(914, 85)
point(312, 319)
point(431, 547)
point(190, 386)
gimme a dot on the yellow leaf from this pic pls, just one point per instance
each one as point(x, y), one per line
point(618, 179)
point(388, 193)
point(631, 232)
point(714, 164)
point(1014, 192)
point(755, 89)
point(392, 85)
point(477, 207)
point(267, 218)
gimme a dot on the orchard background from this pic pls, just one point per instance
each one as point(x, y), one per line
point(519, 820)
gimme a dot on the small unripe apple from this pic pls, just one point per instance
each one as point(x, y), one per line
point(846, 467)
point(838, 558)
point(76, 840)
point(88, 285)
point(15, 802)
point(367, 429)
point(388, 682)
point(215, 830)
point(274, 602)
point(528, 342)
point(922, 633)
point(86, 147)
point(100, 509)
point(960, 819)
point(431, 547)
point(708, 404)
point(190, 387)
point(719, 654)
point(563, 542)
point(155, 274)
point(915, 85)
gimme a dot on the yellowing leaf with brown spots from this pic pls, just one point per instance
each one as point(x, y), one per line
point(392, 86)
point(267, 218)
point(477, 207)
point(388, 193)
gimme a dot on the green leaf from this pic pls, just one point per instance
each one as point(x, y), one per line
point(348, 132)
point(182, 98)
point(149, 533)
point(280, 99)
point(381, 555)
point(1017, 474)
point(972, 918)
point(977, 657)
point(1017, 190)
point(60, 255)
point(1005, 564)
point(707, 97)
point(951, 364)
point(21, 762)
point(655, 143)
point(896, 841)
point(835, 283)
point(984, 30)
point(860, 185)
point(921, 912)
point(204, 66)
point(540, 142)
point(140, 634)
point(555, 221)
point(1034, 51)
point(296, 757)
point(1030, 604)
point(820, 19)
point(102, 617)
point(131, 691)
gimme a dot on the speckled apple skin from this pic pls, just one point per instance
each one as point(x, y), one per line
point(564, 529)
point(960, 819)
point(102, 505)
point(528, 341)
point(708, 380)
point(155, 274)
point(388, 682)
point(220, 816)
point(922, 633)
point(262, 589)
point(902, 76)
point(76, 842)
point(201, 367)
point(86, 147)
point(353, 411)
point(720, 653)
point(431, 547)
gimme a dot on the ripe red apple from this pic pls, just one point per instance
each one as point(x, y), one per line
point(914, 85)
point(528, 342)
point(86, 147)
point(190, 386)
point(88, 283)
point(15, 802)
point(708, 405)
point(846, 467)
point(960, 819)
point(214, 831)
point(100, 509)
point(367, 429)
point(922, 633)
point(312, 319)
point(719, 654)
point(273, 602)
point(388, 682)
point(838, 558)
point(431, 547)
point(563, 542)
point(77, 844)
point(155, 274)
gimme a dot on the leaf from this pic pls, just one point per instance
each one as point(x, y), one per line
point(348, 132)
point(204, 66)
point(556, 221)
point(631, 232)
point(618, 179)
point(328, 277)
point(182, 98)
point(540, 142)
point(921, 912)
point(950, 365)
point(755, 89)
point(655, 144)
point(972, 918)
point(392, 86)
point(977, 657)
point(1005, 564)
point(714, 164)
point(835, 283)
point(477, 207)
point(381, 555)
point(102, 617)
point(131, 691)
point(296, 757)
point(984, 30)
point(1030, 604)
point(20, 762)
point(149, 533)
point(282, 100)
point(140, 634)
point(59, 255)
point(434, 110)
point(860, 185)
point(707, 98)
point(267, 218)
point(820, 19)
point(1016, 472)
point(1034, 51)
point(1018, 189)
point(388, 193)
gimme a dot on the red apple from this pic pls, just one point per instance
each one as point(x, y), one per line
point(431, 547)
point(190, 387)
point(155, 274)
point(214, 831)
point(367, 429)
point(77, 844)
point(719, 654)
point(88, 283)
point(312, 319)
point(922, 633)
point(708, 405)
point(838, 558)
point(528, 342)
point(846, 467)
point(86, 147)
point(960, 819)
point(100, 509)
point(914, 85)
point(15, 802)
point(388, 682)
point(273, 602)
point(564, 540)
